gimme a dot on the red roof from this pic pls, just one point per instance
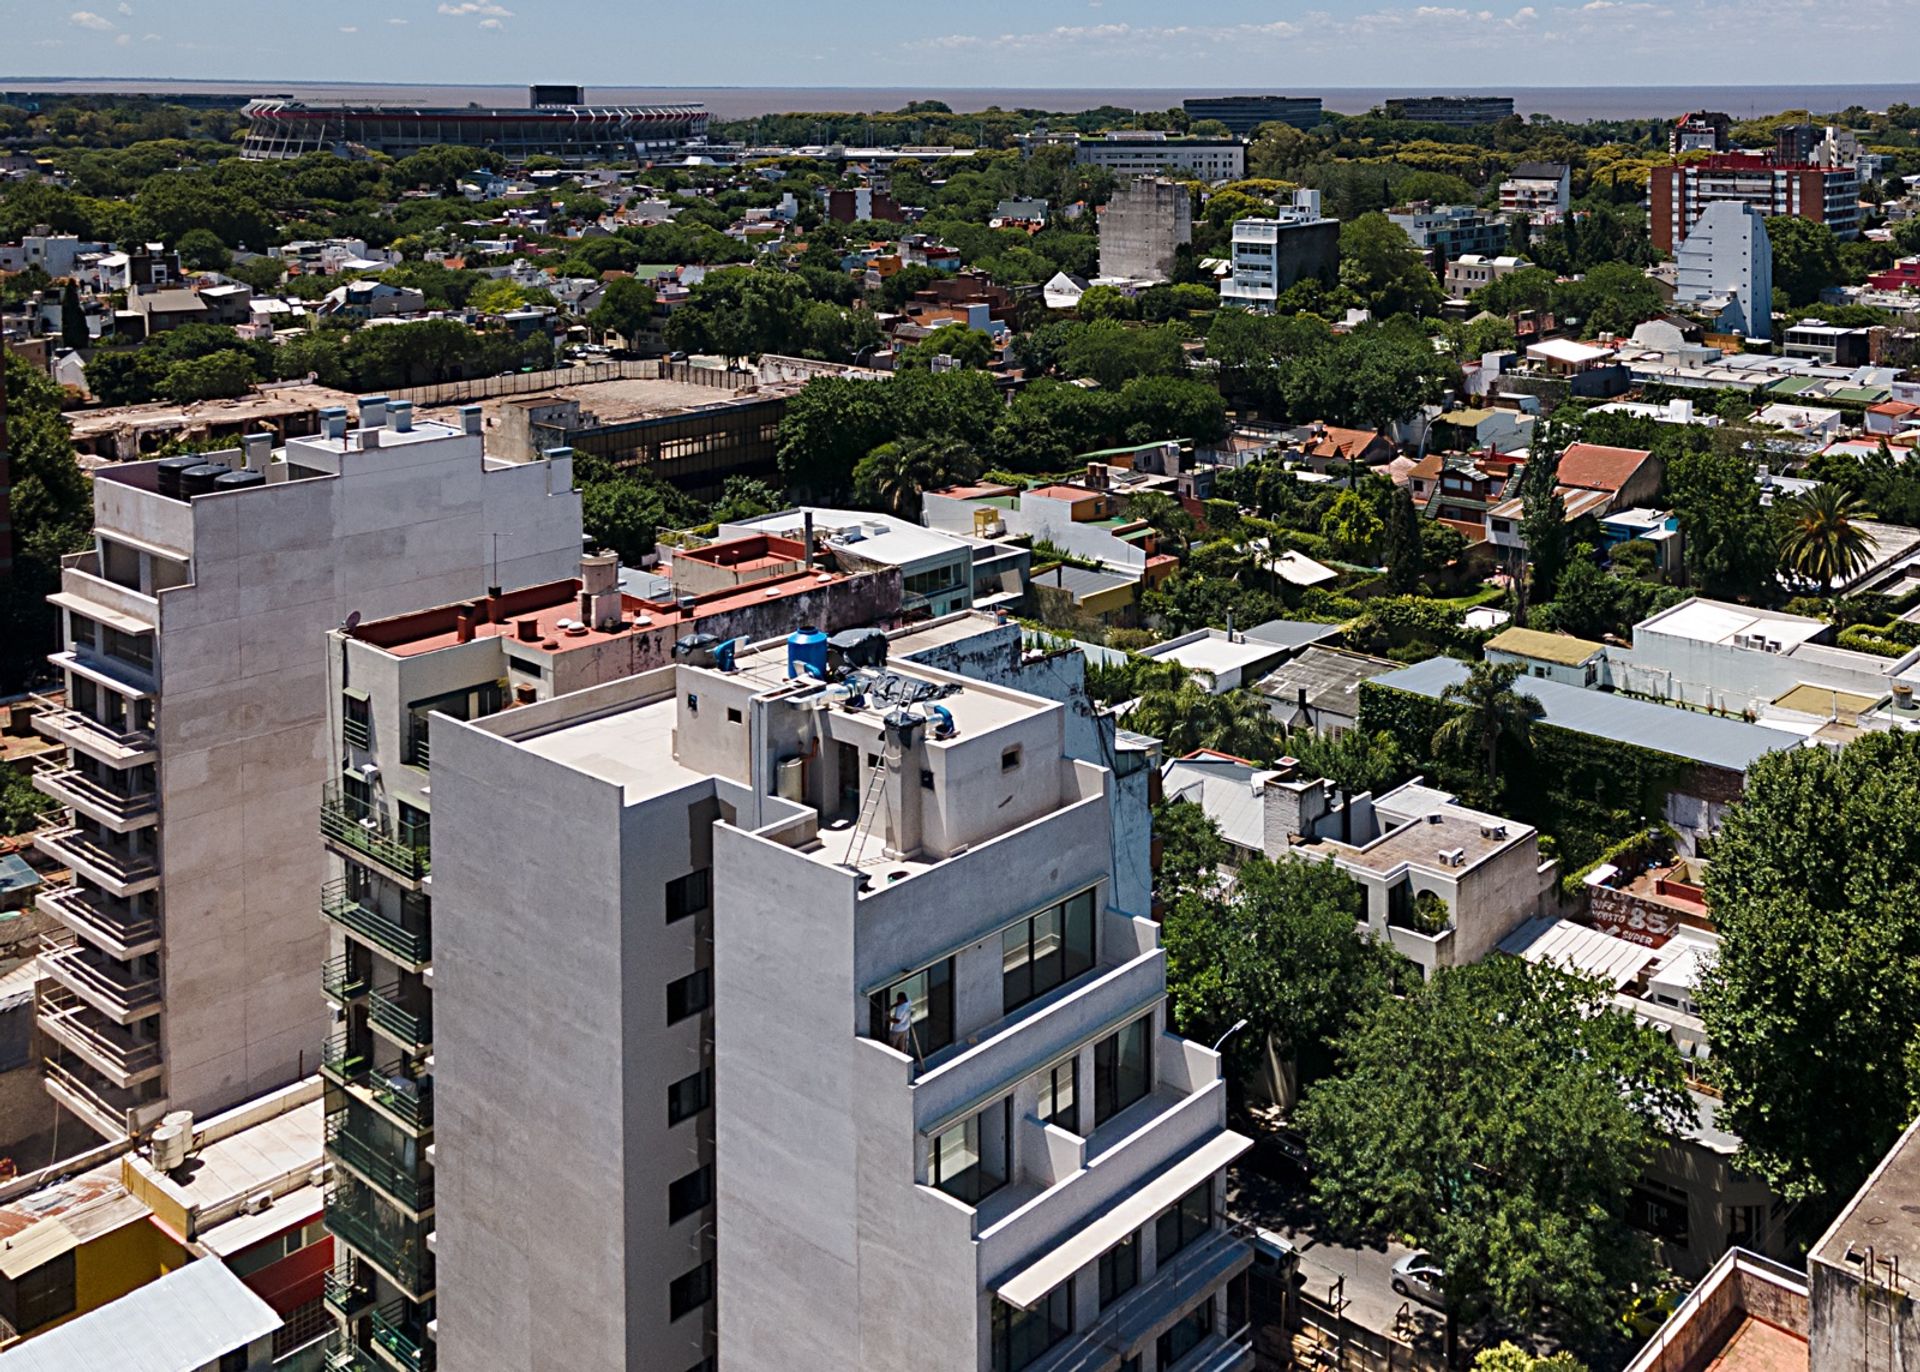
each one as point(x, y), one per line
point(1600, 468)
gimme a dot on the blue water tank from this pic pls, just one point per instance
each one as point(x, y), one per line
point(807, 647)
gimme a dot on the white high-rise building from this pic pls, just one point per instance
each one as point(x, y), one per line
point(1726, 268)
point(195, 725)
point(1271, 255)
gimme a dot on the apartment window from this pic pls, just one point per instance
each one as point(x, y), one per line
point(733, 715)
point(1010, 760)
point(688, 895)
point(1119, 1270)
point(475, 703)
point(1022, 1337)
point(689, 1096)
point(689, 1291)
point(690, 1193)
point(929, 994)
point(356, 792)
point(689, 995)
point(133, 649)
point(1182, 1222)
point(1122, 1069)
point(1185, 1336)
point(968, 1159)
point(1746, 1227)
point(356, 718)
point(1658, 1209)
point(1046, 950)
point(416, 826)
point(304, 1324)
point(1060, 1095)
point(34, 1298)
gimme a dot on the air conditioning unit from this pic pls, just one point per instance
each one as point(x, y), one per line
point(257, 1202)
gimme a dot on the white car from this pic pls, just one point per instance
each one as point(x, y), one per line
point(1418, 1276)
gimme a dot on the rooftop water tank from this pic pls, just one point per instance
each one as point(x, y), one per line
point(166, 474)
point(199, 480)
point(240, 480)
point(807, 647)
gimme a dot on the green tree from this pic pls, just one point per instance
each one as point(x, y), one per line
point(1822, 540)
point(1107, 302)
point(1191, 850)
point(1543, 516)
point(51, 509)
point(1729, 536)
point(1189, 717)
point(1379, 261)
point(1353, 528)
point(1166, 516)
point(201, 251)
point(216, 376)
point(73, 319)
point(1499, 1115)
point(259, 274)
point(894, 475)
point(744, 497)
point(1493, 715)
point(1806, 257)
point(1405, 554)
point(1813, 1002)
point(1353, 760)
point(1282, 951)
point(625, 308)
point(968, 347)
point(1611, 298)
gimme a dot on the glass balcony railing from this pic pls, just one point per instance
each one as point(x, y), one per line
point(364, 830)
point(381, 1162)
point(382, 1236)
point(391, 936)
point(414, 1028)
point(340, 980)
point(393, 1331)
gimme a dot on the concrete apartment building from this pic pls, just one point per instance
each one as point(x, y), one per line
point(1679, 193)
point(1149, 154)
point(1726, 269)
point(1147, 218)
point(1444, 232)
point(468, 661)
point(1538, 189)
point(1242, 114)
point(194, 723)
point(745, 871)
point(1270, 255)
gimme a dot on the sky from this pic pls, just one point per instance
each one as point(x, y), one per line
point(982, 43)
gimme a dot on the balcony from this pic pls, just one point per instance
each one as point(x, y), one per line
point(360, 1151)
point(345, 1289)
point(412, 1029)
point(376, 1232)
point(349, 1358)
point(122, 1056)
point(106, 924)
point(117, 991)
point(1130, 1322)
point(411, 947)
point(361, 833)
point(115, 747)
point(114, 870)
point(341, 981)
point(120, 811)
point(395, 1091)
point(401, 1340)
point(111, 1112)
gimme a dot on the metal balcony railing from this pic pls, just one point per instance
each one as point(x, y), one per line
point(339, 979)
point(387, 934)
point(345, 1289)
point(398, 1247)
point(349, 1358)
point(393, 1333)
point(357, 733)
point(361, 1152)
point(70, 786)
point(363, 829)
point(74, 847)
point(120, 992)
point(108, 1048)
point(414, 1028)
point(408, 1099)
point(97, 919)
point(117, 747)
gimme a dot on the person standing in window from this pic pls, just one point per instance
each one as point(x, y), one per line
point(900, 1024)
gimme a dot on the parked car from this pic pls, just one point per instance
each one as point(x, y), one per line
point(1418, 1276)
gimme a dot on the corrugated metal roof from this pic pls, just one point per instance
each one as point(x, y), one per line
point(1292, 633)
point(1686, 734)
point(180, 1323)
point(1576, 948)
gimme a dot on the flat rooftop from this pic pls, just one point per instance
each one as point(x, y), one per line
point(862, 533)
point(1418, 842)
point(1883, 1216)
point(273, 402)
point(1714, 621)
point(614, 402)
point(1215, 654)
point(632, 748)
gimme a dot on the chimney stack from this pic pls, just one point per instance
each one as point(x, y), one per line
point(373, 411)
point(527, 630)
point(470, 419)
point(807, 537)
point(600, 590)
point(400, 416)
point(463, 619)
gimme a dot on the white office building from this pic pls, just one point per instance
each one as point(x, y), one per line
point(1726, 268)
point(1270, 255)
point(195, 725)
point(676, 917)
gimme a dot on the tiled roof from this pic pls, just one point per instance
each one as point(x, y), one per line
point(1598, 467)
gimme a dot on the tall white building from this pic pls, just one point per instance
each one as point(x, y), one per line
point(1270, 255)
point(1726, 268)
point(675, 918)
point(195, 723)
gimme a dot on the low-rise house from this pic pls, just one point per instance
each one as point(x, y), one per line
point(372, 300)
point(1554, 657)
point(1220, 661)
point(936, 569)
point(1474, 271)
point(1319, 690)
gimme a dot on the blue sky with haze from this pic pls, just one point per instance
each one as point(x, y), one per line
point(1104, 43)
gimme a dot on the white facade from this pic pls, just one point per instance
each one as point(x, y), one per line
point(1270, 254)
point(877, 1207)
point(194, 665)
point(1726, 267)
point(1210, 159)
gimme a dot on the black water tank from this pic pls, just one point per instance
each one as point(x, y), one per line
point(199, 480)
point(239, 480)
point(166, 478)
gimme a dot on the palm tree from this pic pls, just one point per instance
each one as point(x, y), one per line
point(894, 475)
point(1824, 542)
point(1494, 713)
point(1190, 717)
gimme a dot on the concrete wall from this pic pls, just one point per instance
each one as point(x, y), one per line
point(1143, 223)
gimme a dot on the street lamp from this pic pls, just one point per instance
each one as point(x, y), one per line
point(1238, 1025)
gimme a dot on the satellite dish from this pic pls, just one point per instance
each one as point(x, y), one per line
point(353, 621)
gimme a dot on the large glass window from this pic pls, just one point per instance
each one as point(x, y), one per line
point(689, 1096)
point(1122, 1069)
point(1186, 1335)
point(1021, 1337)
point(1182, 1222)
point(1060, 1095)
point(689, 895)
point(1119, 1270)
point(928, 1017)
point(1046, 950)
point(690, 1193)
point(689, 995)
point(689, 1291)
point(968, 1159)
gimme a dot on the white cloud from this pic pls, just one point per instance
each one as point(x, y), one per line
point(87, 19)
point(151, 38)
point(396, 21)
point(124, 40)
point(492, 25)
point(125, 8)
point(349, 28)
point(477, 7)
